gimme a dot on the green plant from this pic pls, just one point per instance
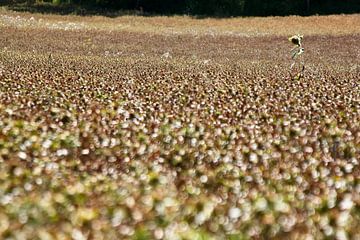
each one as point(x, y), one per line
point(296, 54)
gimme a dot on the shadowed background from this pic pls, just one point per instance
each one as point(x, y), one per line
point(216, 8)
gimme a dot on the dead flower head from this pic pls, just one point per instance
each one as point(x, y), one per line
point(296, 39)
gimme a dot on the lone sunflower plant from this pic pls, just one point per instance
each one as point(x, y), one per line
point(296, 54)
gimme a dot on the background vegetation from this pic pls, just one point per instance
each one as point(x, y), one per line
point(218, 8)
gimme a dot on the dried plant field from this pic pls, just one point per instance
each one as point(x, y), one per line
point(178, 128)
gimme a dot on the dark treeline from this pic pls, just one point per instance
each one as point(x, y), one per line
point(215, 7)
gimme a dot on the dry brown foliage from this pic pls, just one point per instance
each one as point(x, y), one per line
point(176, 128)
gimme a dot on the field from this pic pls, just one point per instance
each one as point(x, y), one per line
point(178, 128)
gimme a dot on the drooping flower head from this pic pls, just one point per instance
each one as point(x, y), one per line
point(296, 39)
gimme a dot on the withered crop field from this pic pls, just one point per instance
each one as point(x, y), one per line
point(178, 128)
